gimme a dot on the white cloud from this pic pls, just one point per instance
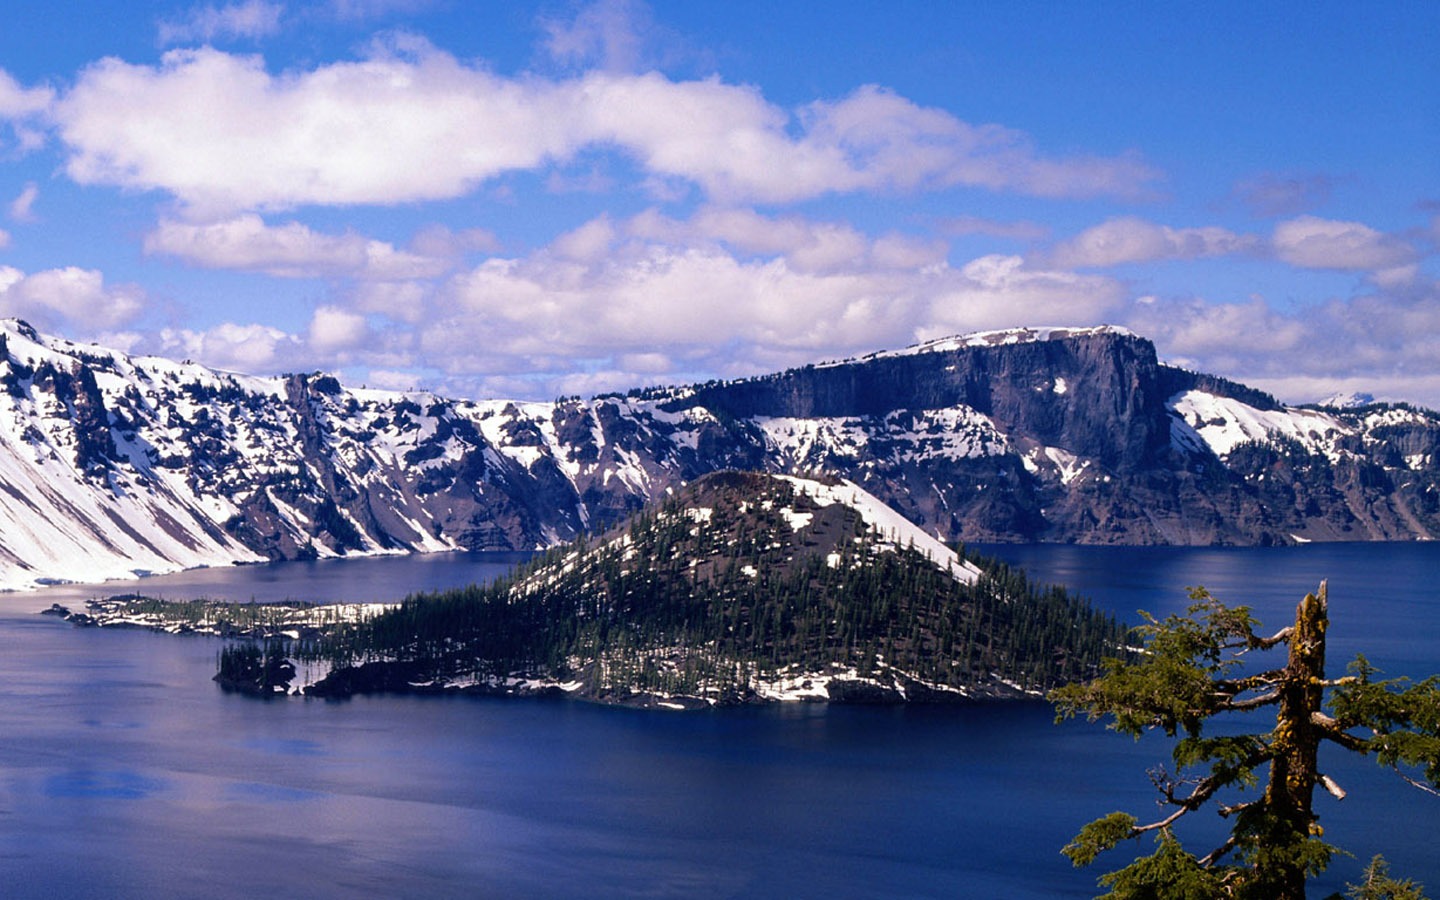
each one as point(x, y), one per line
point(72, 296)
point(589, 243)
point(249, 19)
point(22, 108)
point(293, 250)
point(221, 133)
point(410, 122)
point(807, 245)
point(1131, 240)
point(651, 298)
point(336, 330)
point(1314, 243)
point(1384, 342)
point(334, 337)
point(4, 239)
point(21, 206)
point(17, 102)
point(999, 291)
point(1220, 333)
point(606, 34)
point(900, 145)
point(242, 348)
point(727, 292)
point(620, 302)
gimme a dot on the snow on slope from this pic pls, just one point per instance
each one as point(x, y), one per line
point(59, 522)
point(900, 437)
point(114, 466)
point(1221, 424)
point(885, 522)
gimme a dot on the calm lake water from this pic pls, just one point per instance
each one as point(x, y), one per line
point(125, 773)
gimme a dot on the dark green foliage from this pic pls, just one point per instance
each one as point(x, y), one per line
point(682, 603)
point(1404, 718)
point(1168, 874)
point(1195, 667)
point(248, 669)
point(1376, 884)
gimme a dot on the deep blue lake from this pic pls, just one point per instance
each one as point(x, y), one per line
point(125, 773)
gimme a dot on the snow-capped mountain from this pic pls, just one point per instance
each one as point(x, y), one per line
point(112, 465)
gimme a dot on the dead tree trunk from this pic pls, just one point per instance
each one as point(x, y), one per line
point(1296, 743)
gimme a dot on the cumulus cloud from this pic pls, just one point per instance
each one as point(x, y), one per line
point(293, 250)
point(1131, 240)
point(250, 19)
point(1000, 291)
point(1221, 334)
point(17, 102)
point(1381, 341)
point(220, 132)
point(74, 297)
point(620, 302)
point(244, 348)
point(805, 244)
point(334, 338)
point(334, 329)
point(1314, 243)
point(409, 122)
point(727, 292)
point(903, 146)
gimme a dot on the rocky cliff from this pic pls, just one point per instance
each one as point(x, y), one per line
point(111, 464)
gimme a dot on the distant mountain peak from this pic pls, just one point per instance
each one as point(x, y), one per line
point(1348, 400)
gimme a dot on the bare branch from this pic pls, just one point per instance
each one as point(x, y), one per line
point(1163, 823)
point(1418, 784)
point(1210, 858)
point(1331, 731)
point(1254, 702)
point(1277, 638)
point(1228, 811)
point(1204, 789)
point(1330, 785)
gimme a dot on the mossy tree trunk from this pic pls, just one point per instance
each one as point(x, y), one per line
point(1294, 769)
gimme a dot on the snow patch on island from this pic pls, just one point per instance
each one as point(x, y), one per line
point(885, 523)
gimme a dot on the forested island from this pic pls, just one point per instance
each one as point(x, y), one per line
point(738, 588)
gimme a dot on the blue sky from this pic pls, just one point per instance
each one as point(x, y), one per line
point(533, 199)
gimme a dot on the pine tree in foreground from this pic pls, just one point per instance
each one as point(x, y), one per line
point(1190, 669)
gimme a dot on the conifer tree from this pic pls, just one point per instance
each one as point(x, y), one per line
point(1191, 669)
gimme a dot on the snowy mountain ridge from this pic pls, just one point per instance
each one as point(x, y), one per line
point(112, 465)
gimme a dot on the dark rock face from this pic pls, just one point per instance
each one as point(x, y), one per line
point(1079, 436)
